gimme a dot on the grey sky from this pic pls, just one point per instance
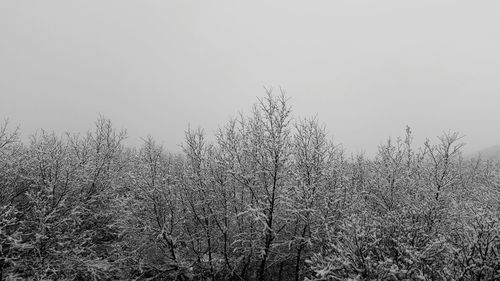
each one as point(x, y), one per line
point(366, 68)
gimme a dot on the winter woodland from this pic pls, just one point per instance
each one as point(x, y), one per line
point(271, 198)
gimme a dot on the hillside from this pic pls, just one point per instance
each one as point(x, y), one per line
point(490, 153)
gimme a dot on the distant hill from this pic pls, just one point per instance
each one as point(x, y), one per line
point(490, 153)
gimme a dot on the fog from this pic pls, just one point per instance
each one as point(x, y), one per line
point(365, 68)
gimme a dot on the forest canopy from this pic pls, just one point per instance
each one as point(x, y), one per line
point(271, 198)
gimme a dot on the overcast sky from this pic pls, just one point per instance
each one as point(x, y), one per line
point(366, 68)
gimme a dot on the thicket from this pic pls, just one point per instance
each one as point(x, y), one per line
point(272, 198)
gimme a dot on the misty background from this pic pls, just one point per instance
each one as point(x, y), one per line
point(365, 68)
